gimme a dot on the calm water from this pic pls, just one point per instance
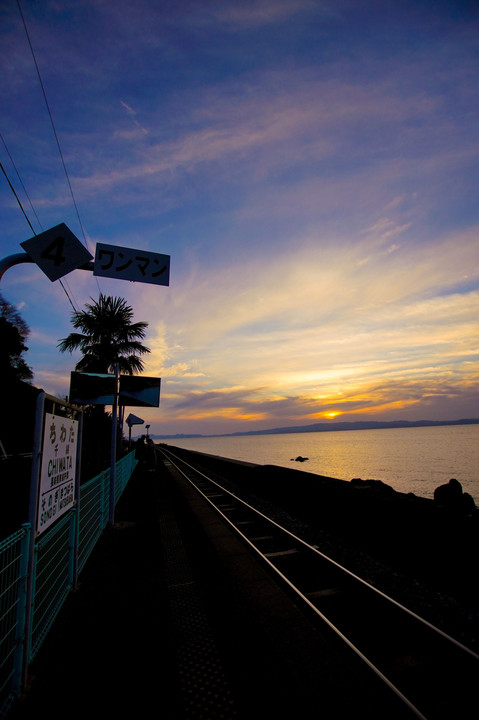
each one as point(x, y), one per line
point(409, 459)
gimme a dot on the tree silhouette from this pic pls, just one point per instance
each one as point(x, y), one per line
point(13, 333)
point(108, 336)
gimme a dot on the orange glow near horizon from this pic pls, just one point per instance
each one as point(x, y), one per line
point(218, 413)
point(383, 407)
point(375, 407)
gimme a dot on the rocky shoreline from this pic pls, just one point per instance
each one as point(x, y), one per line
point(421, 552)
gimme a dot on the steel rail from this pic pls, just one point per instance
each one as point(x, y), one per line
point(313, 549)
point(179, 463)
point(288, 582)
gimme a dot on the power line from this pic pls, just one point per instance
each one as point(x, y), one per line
point(51, 118)
point(68, 295)
point(18, 199)
point(53, 127)
point(21, 183)
point(25, 214)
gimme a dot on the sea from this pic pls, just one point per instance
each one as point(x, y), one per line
point(411, 460)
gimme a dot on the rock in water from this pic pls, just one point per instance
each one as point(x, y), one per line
point(448, 495)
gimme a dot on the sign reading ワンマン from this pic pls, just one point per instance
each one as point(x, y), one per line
point(57, 479)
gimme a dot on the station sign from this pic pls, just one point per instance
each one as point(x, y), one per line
point(139, 391)
point(122, 263)
point(99, 389)
point(57, 251)
point(58, 470)
point(92, 388)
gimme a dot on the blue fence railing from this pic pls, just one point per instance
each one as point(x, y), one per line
point(59, 556)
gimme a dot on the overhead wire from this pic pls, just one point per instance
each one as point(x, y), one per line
point(26, 216)
point(17, 198)
point(53, 128)
point(21, 183)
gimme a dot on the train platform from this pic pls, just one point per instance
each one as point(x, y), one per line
point(173, 617)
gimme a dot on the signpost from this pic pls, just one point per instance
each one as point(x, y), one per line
point(99, 389)
point(115, 390)
point(139, 391)
point(92, 388)
point(57, 252)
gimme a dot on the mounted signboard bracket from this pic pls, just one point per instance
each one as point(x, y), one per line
point(18, 258)
point(58, 251)
point(118, 391)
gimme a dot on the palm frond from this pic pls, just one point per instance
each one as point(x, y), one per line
point(107, 336)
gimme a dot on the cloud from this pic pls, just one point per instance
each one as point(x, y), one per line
point(391, 399)
point(318, 340)
point(129, 109)
point(293, 117)
point(322, 286)
point(252, 14)
point(311, 173)
point(138, 131)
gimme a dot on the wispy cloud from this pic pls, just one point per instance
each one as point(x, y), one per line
point(328, 330)
point(311, 168)
point(252, 14)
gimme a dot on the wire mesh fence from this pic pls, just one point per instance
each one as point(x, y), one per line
point(58, 556)
point(13, 564)
point(93, 515)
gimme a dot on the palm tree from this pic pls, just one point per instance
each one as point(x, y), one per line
point(107, 337)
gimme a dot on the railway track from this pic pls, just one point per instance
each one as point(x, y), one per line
point(432, 675)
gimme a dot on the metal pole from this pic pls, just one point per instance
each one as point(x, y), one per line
point(121, 415)
point(114, 415)
point(76, 541)
point(7, 262)
point(12, 260)
point(19, 664)
point(32, 516)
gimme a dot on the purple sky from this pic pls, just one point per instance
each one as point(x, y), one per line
point(310, 167)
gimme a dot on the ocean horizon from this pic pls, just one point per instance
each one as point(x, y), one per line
point(410, 459)
point(329, 427)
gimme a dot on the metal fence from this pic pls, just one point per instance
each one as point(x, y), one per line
point(49, 576)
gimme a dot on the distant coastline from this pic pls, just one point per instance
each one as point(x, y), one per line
point(329, 427)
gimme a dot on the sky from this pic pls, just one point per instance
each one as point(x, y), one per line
point(310, 167)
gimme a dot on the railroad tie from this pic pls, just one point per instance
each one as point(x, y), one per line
point(316, 594)
point(280, 553)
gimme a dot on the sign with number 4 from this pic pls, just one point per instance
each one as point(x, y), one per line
point(57, 251)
